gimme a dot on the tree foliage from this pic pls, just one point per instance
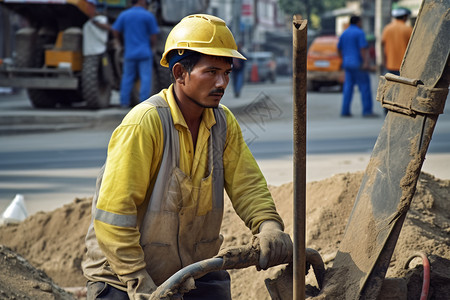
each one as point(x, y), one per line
point(308, 8)
point(293, 7)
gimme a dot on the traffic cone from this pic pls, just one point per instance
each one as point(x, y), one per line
point(254, 74)
point(16, 212)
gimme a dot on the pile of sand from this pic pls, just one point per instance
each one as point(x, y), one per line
point(20, 280)
point(329, 204)
point(54, 242)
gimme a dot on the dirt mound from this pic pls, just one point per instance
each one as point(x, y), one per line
point(329, 204)
point(20, 280)
point(54, 242)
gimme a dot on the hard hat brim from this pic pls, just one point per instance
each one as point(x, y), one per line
point(207, 51)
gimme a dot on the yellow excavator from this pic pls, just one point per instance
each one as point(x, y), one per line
point(49, 59)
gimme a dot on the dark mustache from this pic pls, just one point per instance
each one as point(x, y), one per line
point(217, 91)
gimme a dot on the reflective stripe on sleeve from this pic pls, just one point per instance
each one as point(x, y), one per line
point(115, 219)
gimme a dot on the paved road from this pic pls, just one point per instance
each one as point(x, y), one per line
point(334, 144)
point(51, 165)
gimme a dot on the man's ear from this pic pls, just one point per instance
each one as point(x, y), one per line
point(179, 73)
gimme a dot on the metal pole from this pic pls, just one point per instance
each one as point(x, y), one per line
point(299, 87)
point(382, 18)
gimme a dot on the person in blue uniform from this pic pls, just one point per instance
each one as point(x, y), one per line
point(353, 49)
point(139, 30)
point(238, 73)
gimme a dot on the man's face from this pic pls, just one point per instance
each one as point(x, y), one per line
point(208, 80)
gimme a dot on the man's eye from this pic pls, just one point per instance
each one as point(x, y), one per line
point(227, 72)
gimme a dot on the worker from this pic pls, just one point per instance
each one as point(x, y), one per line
point(353, 49)
point(238, 73)
point(395, 39)
point(91, 8)
point(160, 201)
point(96, 18)
point(139, 31)
point(95, 31)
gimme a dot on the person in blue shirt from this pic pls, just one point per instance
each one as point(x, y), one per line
point(139, 30)
point(353, 49)
point(238, 73)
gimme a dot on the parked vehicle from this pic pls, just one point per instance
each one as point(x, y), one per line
point(324, 63)
point(260, 66)
point(284, 65)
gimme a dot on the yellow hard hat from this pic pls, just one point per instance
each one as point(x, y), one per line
point(201, 33)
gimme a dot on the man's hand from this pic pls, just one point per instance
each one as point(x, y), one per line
point(275, 245)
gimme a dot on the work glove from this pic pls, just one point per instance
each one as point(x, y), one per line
point(139, 285)
point(275, 245)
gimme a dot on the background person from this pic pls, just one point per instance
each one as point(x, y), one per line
point(139, 30)
point(395, 39)
point(238, 73)
point(159, 205)
point(353, 49)
point(95, 31)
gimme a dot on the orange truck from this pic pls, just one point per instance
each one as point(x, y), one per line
point(324, 63)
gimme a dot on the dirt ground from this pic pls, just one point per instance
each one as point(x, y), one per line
point(45, 251)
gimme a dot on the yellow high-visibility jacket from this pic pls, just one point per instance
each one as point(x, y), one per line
point(137, 225)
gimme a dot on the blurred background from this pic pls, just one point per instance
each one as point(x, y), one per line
point(261, 27)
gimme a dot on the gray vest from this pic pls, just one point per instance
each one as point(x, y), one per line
point(174, 233)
